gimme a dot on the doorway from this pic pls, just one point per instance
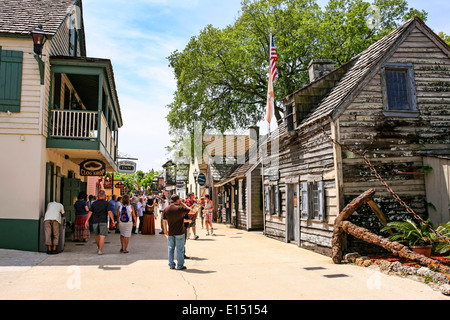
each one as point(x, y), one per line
point(293, 214)
point(71, 189)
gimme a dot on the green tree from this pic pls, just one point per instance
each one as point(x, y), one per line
point(444, 37)
point(222, 74)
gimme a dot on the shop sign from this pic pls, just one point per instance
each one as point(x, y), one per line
point(201, 180)
point(127, 167)
point(119, 185)
point(107, 184)
point(91, 168)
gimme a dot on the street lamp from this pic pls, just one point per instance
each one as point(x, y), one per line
point(195, 175)
point(39, 37)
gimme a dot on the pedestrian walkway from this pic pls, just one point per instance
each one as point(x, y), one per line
point(232, 265)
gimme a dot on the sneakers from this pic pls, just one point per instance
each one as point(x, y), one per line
point(99, 252)
point(196, 237)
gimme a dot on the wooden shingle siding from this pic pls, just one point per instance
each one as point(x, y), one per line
point(357, 114)
point(399, 143)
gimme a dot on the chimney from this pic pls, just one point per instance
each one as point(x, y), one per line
point(254, 148)
point(319, 67)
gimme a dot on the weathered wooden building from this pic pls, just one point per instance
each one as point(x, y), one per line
point(392, 102)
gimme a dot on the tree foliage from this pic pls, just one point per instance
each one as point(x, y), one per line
point(222, 74)
point(138, 179)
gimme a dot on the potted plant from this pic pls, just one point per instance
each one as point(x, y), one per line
point(418, 238)
point(443, 244)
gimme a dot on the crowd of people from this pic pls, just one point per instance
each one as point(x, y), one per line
point(133, 215)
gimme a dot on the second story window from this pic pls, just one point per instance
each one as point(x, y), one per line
point(73, 37)
point(399, 92)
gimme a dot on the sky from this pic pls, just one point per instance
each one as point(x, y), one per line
point(139, 35)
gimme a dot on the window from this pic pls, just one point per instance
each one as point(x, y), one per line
point(313, 200)
point(290, 117)
point(272, 200)
point(10, 80)
point(399, 93)
point(73, 37)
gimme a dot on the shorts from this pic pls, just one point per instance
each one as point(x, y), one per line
point(192, 224)
point(100, 229)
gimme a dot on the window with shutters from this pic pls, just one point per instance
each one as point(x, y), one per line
point(399, 91)
point(272, 199)
point(10, 80)
point(313, 201)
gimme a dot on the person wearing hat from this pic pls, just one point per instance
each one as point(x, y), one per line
point(174, 217)
point(99, 212)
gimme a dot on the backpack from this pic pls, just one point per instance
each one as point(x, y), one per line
point(124, 215)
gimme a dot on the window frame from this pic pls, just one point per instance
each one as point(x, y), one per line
point(413, 110)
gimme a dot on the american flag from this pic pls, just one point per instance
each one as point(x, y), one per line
point(272, 74)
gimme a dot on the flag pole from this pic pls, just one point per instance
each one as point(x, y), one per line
point(270, 75)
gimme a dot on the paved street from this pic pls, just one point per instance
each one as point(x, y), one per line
point(232, 265)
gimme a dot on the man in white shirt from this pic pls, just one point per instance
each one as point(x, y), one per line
point(52, 223)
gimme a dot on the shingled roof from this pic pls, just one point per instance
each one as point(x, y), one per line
point(22, 16)
point(348, 79)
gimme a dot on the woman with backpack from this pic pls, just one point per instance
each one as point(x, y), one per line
point(126, 219)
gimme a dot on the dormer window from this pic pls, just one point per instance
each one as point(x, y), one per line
point(399, 91)
point(73, 37)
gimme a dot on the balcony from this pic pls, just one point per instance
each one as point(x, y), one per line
point(84, 116)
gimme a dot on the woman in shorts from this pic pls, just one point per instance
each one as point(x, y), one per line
point(126, 219)
point(209, 207)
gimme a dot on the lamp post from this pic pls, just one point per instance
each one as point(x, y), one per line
point(195, 173)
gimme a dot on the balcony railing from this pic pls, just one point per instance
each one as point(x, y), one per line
point(74, 124)
point(83, 126)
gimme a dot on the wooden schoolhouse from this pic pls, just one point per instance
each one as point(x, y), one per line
point(390, 102)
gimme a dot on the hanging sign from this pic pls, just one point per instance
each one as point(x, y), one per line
point(91, 168)
point(119, 185)
point(127, 167)
point(201, 180)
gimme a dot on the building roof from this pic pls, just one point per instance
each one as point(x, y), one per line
point(22, 16)
point(332, 93)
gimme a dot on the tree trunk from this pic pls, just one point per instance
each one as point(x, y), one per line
point(396, 248)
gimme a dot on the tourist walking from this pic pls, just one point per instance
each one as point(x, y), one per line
point(99, 213)
point(209, 207)
point(141, 208)
point(174, 217)
point(148, 226)
point(126, 220)
point(113, 207)
point(191, 202)
point(134, 203)
point(52, 224)
point(81, 232)
point(164, 204)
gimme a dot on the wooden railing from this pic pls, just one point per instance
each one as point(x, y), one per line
point(83, 125)
point(74, 124)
